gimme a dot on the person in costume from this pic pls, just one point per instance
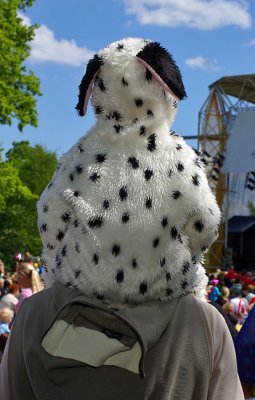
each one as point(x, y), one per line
point(125, 222)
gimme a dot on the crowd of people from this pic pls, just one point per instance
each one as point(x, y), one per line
point(233, 293)
point(14, 288)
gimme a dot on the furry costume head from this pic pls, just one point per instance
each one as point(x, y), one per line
point(129, 214)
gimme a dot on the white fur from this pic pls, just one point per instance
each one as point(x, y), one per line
point(135, 237)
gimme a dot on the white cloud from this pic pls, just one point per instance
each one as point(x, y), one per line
point(200, 62)
point(45, 47)
point(251, 42)
point(199, 14)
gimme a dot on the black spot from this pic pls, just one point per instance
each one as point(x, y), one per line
point(124, 82)
point(80, 148)
point(135, 120)
point(197, 162)
point(101, 84)
point(150, 114)
point(64, 251)
point(58, 261)
point(118, 128)
point(142, 130)
point(169, 172)
point(134, 263)
point(148, 202)
point(45, 208)
point(148, 173)
point(164, 222)
point(143, 288)
point(195, 180)
point(180, 167)
point(49, 246)
point(123, 193)
point(78, 169)
point(119, 276)
point(77, 274)
point(95, 222)
point(185, 267)
point(77, 248)
point(162, 262)
point(95, 258)
point(120, 46)
point(99, 296)
point(178, 147)
point(71, 177)
point(66, 217)
point(94, 177)
point(125, 218)
point(155, 242)
point(176, 194)
point(169, 292)
point(174, 232)
point(204, 248)
point(100, 158)
point(46, 270)
point(99, 109)
point(194, 260)
point(115, 250)
point(184, 284)
point(168, 276)
point(196, 151)
point(151, 146)
point(106, 204)
point(49, 185)
point(180, 238)
point(199, 226)
point(60, 235)
point(210, 211)
point(148, 75)
point(134, 162)
point(53, 270)
point(138, 102)
point(175, 103)
point(76, 223)
point(76, 193)
point(43, 228)
point(68, 284)
point(116, 115)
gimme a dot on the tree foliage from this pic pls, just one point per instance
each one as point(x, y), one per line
point(20, 188)
point(18, 87)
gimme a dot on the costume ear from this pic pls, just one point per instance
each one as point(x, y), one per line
point(163, 68)
point(86, 84)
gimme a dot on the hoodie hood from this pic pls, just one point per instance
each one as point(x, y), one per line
point(129, 214)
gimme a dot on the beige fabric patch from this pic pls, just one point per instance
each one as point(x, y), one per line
point(90, 347)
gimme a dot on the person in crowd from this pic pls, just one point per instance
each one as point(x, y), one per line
point(229, 310)
point(240, 303)
point(250, 293)
point(6, 316)
point(29, 281)
point(245, 353)
point(214, 292)
point(125, 223)
point(11, 298)
point(2, 269)
point(224, 296)
point(5, 288)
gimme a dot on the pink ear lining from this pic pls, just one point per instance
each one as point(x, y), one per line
point(88, 93)
point(157, 77)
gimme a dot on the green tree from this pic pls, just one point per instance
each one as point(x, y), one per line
point(23, 175)
point(34, 163)
point(18, 87)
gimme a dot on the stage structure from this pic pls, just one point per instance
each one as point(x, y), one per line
point(221, 115)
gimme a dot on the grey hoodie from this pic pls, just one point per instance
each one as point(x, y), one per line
point(168, 351)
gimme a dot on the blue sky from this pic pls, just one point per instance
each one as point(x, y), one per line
point(208, 39)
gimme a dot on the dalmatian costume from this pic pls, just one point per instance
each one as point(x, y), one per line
point(129, 214)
